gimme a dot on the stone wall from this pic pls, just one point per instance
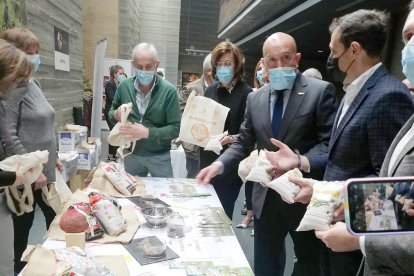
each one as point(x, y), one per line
point(62, 89)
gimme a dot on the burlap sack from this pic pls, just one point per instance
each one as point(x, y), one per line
point(101, 183)
point(128, 213)
point(39, 256)
point(202, 118)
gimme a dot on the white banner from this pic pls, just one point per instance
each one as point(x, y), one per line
point(98, 77)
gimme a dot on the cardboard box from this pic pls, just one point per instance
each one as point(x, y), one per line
point(77, 180)
point(94, 143)
point(87, 159)
point(70, 163)
point(68, 139)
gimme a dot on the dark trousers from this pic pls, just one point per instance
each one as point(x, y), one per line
point(192, 163)
point(22, 225)
point(248, 190)
point(277, 219)
point(340, 263)
point(227, 187)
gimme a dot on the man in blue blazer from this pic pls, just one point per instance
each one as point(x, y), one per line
point(299, 111)
point(375, 107)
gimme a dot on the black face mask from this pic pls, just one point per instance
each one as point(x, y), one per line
point(332, 69)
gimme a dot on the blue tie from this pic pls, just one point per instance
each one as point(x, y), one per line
point(277, 114)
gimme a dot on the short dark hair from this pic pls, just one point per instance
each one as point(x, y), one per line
point(114, 69)
point(228, 47)
point(367, 27)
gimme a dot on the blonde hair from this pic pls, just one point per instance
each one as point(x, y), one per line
point(15, 67)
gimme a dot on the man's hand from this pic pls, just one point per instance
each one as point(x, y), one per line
point(410, 211)
point(40, 182)
point(206, 174)
point(59, 165)
point(282, 160)
point(339, 213)
point(306, 189)
point(117, 114)
point(20, 179)
point(227, 140)
point(133, 131)
point(338, 239)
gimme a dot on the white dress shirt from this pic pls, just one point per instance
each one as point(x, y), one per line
point(143, 100)
point(352, 90)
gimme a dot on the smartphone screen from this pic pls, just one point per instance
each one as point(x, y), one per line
point(380, 205)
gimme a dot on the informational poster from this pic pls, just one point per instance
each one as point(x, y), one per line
point(12, 14)
point(61, 39)
point(98, 77)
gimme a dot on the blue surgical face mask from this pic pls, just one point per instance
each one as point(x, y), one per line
point(407, 61)
point(144, 77)
point(224, 74)
point(282, 77)
point(259, 76)
point(120, 77)
point(35, 60)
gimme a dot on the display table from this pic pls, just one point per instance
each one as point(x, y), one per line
point(194, 246)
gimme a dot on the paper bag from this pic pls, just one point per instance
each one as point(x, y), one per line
point(41, 258)
point(128, 213)
point(202, 118)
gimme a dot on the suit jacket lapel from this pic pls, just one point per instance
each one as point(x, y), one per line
point(407, 148)
point(359, 99)
point(297, 95)
point(334, 128)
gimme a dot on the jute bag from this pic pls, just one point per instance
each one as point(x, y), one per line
point(115, 139)
point(202, 118)
point(57, 193)
point(30, 164)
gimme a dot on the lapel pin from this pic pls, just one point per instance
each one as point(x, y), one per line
point(301, 93)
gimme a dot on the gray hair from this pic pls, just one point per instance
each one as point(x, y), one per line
point(207, 62)
point(145, 47)
point(312, 73)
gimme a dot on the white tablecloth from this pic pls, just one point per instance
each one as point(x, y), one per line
point(178, 162)
point(225, 250)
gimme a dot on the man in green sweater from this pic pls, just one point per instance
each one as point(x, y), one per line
point(155, 114)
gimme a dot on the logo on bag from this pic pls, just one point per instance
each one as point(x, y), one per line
point(199, 132)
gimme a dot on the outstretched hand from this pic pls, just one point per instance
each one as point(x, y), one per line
point(282, 160)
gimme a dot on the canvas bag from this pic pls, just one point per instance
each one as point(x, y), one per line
point(202, 118)
point(57, 193)
point(115, 139)
point(30, 164)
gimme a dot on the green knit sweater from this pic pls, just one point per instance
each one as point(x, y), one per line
point(162, 116)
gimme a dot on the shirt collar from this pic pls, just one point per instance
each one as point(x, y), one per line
point(136, 85)
point(359, 82)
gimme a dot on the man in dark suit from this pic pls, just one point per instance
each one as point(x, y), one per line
point(375, 107)
point(388, 254)
point(299, 111)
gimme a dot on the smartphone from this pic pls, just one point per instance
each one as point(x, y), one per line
point(379, 205)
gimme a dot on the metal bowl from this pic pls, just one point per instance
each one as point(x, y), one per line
point(157, 215)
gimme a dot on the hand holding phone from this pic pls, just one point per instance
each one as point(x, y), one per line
point(379, 205)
